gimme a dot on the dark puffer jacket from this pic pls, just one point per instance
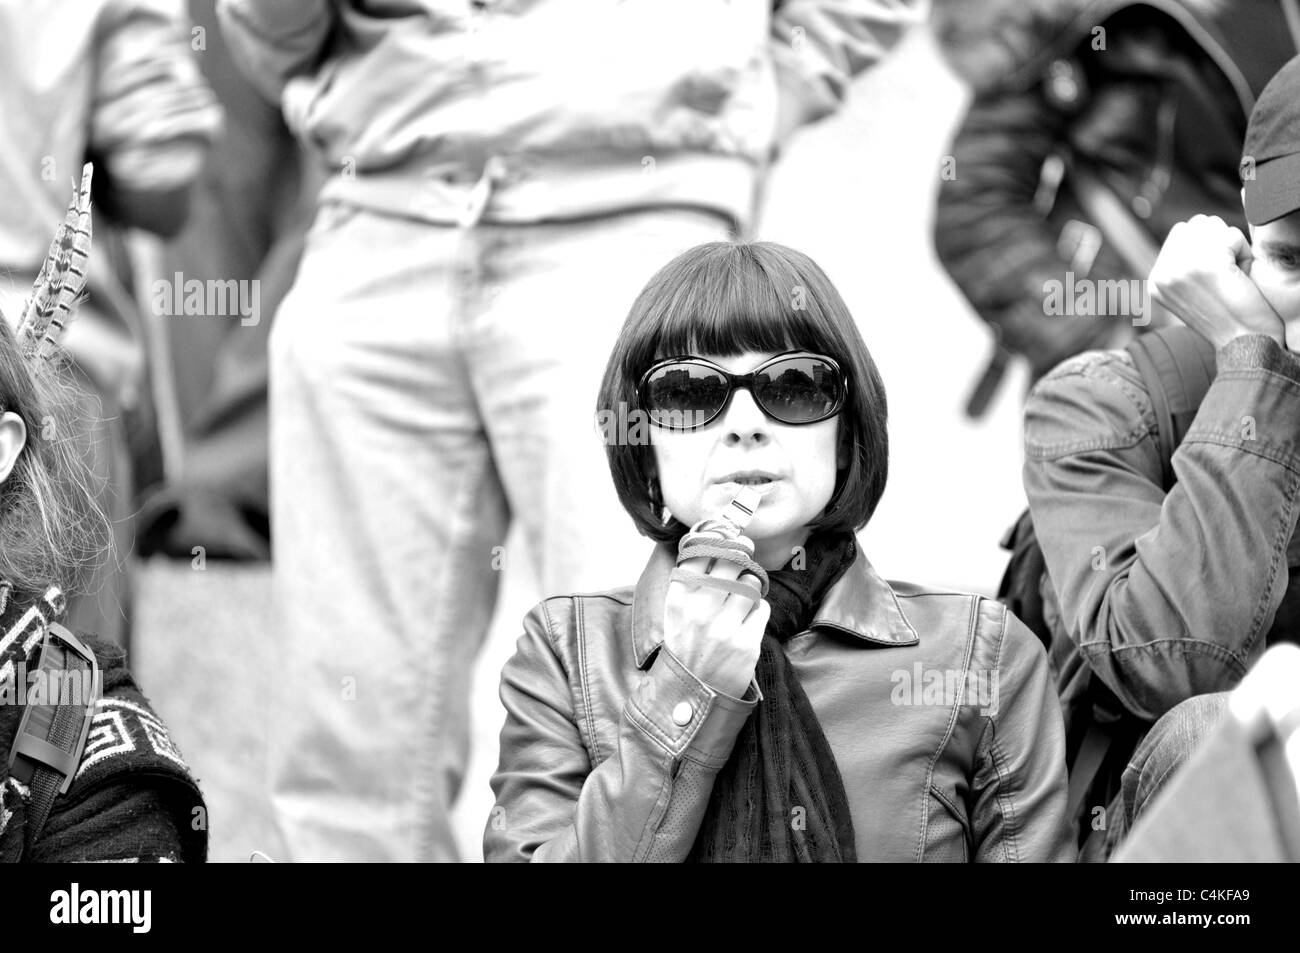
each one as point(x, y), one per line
point(1156, 106)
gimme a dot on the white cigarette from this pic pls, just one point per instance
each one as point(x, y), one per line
point(740, 510)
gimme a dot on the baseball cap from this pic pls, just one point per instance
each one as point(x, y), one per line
point(1270, 161)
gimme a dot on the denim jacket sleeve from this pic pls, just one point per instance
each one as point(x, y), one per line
point(1166, 595)
point(644, 799)
point(1018, 812)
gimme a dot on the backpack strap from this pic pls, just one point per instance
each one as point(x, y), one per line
point(1177, 367)
point(52, 733)
point(1087, 764)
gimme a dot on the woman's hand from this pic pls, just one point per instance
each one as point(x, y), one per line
point(715, 634)
point(1202, 275)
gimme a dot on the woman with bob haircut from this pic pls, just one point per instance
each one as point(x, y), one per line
point(767, 697)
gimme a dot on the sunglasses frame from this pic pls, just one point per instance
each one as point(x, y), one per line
point(746, 381)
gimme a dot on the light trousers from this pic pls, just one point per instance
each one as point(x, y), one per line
point(428, 385)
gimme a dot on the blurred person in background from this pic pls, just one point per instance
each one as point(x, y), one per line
point(1094, 128)
point(248, 217)
point(112, 81)
point(503, 179)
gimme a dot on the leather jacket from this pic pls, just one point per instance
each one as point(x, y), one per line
point(939, 708)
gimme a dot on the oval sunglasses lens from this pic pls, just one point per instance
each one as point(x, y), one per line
point(684, 395)
point(799, 390)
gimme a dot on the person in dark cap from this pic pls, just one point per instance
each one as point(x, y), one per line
point(1171, 571)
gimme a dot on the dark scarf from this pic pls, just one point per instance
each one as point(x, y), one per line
point(782, 761)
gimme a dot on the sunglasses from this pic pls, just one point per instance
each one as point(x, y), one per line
point(797, 387)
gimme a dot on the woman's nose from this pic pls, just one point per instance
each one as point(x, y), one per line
point(743, 422)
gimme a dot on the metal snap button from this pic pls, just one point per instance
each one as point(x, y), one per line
point(683, 713)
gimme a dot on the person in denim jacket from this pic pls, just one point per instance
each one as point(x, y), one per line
point(1171, 597)
point(831, 716)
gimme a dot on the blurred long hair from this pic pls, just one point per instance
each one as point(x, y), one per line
point(52, 531)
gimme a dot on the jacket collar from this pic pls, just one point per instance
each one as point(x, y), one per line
point(861, 604)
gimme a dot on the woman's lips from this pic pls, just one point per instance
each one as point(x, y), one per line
point(762, 487)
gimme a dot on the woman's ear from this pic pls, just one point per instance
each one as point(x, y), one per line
point(13, 437)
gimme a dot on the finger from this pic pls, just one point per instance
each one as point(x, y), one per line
point(1242, 254)
point(726, 569)
point(737, 609)
point(712, 566)
point(702, 600)
point(759, 614)
point(699, 564)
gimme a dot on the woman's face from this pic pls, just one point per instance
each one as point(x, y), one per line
point(792, 467)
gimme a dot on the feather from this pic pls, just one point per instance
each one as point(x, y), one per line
point(62, 279)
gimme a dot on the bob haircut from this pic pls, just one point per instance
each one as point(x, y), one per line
point(722, 299)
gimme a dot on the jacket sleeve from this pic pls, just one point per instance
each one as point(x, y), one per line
point(995, 244)
point(1167, 596)
point(818, 46)
point(1019, 780)
point(153, 115)
point(275, 40)
point(641, 801)
point(125, 821)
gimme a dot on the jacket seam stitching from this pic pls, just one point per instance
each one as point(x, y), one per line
point(553, 639)
point(990, 732)
point(585, 680)
point(962, 821)
point(1009, 816)
point(1099, 371)
point(1265, 375)
point(1052, 452)
point(1200, 646)
point(1010, 850)
point(646, 839)
point(1285, 530)
point(928, 788)
point(1234, 442)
